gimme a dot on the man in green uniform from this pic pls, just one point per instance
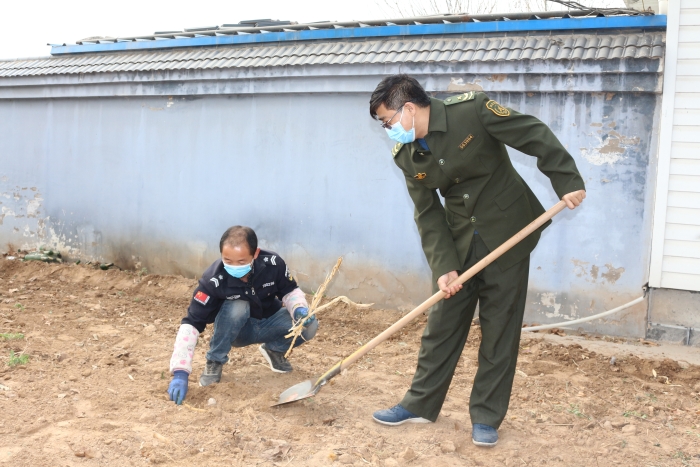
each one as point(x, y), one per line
point(458, 146)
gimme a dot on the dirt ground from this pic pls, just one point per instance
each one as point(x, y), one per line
point(93, 391)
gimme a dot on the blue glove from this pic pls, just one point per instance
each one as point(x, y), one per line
point(178, 387)
point(301, 313)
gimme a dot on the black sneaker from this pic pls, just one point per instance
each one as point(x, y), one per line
point(277, 362)
point(211, 374)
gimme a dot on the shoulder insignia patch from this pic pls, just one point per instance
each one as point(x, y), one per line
point(395, 150)
point(467, 96)
point(497, 108)
point(420, 176)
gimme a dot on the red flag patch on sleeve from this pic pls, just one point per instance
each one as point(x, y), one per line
point(201, 297)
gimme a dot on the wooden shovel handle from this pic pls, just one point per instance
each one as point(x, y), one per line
point(464, 277)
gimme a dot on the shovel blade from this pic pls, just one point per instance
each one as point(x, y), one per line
point(298, 392)
point(308, 388)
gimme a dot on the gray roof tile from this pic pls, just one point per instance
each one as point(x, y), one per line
point(630, 52)
point(514, 54)
point(404, 50)
point(531, 42)
point(502, 54)
point(518, 43)
point(490, 55)
point(616, 52)
point(620, 41)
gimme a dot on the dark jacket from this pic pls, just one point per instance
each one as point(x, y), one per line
point(268, 282)
point(468, 163)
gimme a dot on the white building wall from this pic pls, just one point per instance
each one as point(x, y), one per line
point(675, 260)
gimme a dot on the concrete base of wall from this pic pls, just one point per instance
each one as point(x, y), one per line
point(668, 333)
point(674, 317)
point(676, 307)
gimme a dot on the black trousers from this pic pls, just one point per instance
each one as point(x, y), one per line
point(501, 296)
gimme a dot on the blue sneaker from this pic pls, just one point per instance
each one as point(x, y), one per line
point(484, 435)
point(397, 415)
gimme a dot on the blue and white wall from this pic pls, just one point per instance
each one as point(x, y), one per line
point(152, 172)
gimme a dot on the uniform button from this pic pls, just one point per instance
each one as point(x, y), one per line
point(473, 219)
point(456, 180)
point(441, 162)
point(465, 196)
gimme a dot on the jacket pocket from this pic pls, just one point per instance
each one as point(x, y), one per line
point(449, 217)
point(514, 191)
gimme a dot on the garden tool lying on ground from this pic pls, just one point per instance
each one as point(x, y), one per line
point(310, 388)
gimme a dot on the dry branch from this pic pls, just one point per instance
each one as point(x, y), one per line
point(193, 408)
point(343, 299)
point(298, 327)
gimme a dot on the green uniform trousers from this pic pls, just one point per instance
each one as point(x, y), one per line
point(501, 296)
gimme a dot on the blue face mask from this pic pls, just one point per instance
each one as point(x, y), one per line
point(238, 271)
point(398, 134)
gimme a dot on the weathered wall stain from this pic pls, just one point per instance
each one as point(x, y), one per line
point(549, 299)
point(617, 143)
point(579, 267)
point(498, 78)
point(552, 302)
point(613, 274)
point(611, 147)
point(458, 85)
point(551, 306)
point(591, 275)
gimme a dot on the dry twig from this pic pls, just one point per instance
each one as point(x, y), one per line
point(343, 299)
point(299, 326)
point(193, 408)
point(297, 329)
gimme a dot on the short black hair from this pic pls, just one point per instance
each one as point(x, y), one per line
point(238, 235)
point(394, 91)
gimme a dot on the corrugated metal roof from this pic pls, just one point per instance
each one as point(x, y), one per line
point(267, 25)
point(432, 49)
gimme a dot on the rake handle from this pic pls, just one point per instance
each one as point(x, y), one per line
point(464, 277)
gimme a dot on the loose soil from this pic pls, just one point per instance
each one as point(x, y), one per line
point(94, 390)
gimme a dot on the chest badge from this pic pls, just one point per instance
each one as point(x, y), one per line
point(466, 141)
point(420, 176)
point(497, 108)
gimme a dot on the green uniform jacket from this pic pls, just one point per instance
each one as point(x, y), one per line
point(469, 164)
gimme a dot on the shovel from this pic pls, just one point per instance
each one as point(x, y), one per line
point(310, 388)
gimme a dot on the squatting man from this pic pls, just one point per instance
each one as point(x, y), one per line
point(251, 297)
point(458, 147)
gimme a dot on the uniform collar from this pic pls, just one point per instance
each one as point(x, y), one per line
point(258, 266)
point(438, 116)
